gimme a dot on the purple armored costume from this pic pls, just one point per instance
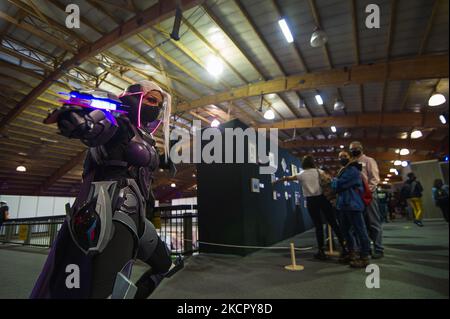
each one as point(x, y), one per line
point(106, 228)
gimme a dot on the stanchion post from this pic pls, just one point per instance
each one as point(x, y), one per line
point(293, 266)
point(331, 252)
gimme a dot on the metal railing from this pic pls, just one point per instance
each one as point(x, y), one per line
point(177, 226)
point(39, 231)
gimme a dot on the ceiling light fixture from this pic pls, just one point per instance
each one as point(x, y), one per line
point(269, 114)
point(397, 163)
point(215, 123)
point(443, 119)
point(339, 105)
point(318, 38)
point(173, 185)
point(436, 99)
point(21, 168)
point(214, 66)
point(319, 99)
point(404, 164)
point(286, 31)
point(404, 151)
point(416, 134)
point(333, 129)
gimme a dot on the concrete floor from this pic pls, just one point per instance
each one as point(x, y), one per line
point(415, 266)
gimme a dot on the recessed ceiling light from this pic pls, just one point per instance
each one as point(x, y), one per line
point(442, 119)
point(333, 129)
point(173, 185)
point(404, 163)
point(397, 163)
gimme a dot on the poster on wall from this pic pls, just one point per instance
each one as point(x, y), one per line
point(272, 160)
point(254, 184)
point(297, 198)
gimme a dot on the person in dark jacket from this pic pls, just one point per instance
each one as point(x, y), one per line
point(4, 213)
point(440, 196)
point(349, 186)
point(412, 191)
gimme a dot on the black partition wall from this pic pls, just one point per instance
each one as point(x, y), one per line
point(231, 212)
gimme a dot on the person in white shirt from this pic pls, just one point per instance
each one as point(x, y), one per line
point(316, 202)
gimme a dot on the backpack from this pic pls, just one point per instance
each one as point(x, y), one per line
point(366, 194)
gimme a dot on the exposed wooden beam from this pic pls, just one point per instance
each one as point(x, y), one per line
point(145, 19)
point(379, 156)
point(429, 119)
point(61, 171)
point(423, 67)
point(368, 142)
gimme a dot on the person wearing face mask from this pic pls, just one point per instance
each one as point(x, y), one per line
point(348, 186)
point(372, 212)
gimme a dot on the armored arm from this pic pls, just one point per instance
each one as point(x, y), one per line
point(92, 127)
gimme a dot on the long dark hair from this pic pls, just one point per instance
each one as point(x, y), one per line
point(308, 162)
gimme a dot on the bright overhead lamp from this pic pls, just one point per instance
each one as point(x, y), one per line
point(319, 99)
point(339, 105)
point(404, 151)
point(318, 38)
point(214, 66)
point(397, 151)
point(389, 175)
point(416, 134)
point(385, 182)
point(404, 163)
point(333, 129)
point(443, 119)
point(286, 31)
point(397, 163)
point(342, 146)
point(215, 123)
point(436, 99)
point(386, 179)
point(269, 114)
point(173, 185)
point(392, 170)
point(21, 168)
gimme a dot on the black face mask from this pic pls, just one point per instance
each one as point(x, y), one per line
point(355, 152)
point(344, 161)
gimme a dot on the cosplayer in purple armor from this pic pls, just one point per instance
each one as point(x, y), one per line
point(106, 229)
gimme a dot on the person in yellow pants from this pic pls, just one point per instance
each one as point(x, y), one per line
point(412, 191)
point(416, 205)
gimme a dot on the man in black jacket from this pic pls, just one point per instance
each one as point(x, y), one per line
point(412, 191)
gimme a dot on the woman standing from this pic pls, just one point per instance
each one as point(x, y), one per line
point(310, 179)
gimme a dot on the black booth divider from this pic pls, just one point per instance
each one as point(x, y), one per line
point(230, 213)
